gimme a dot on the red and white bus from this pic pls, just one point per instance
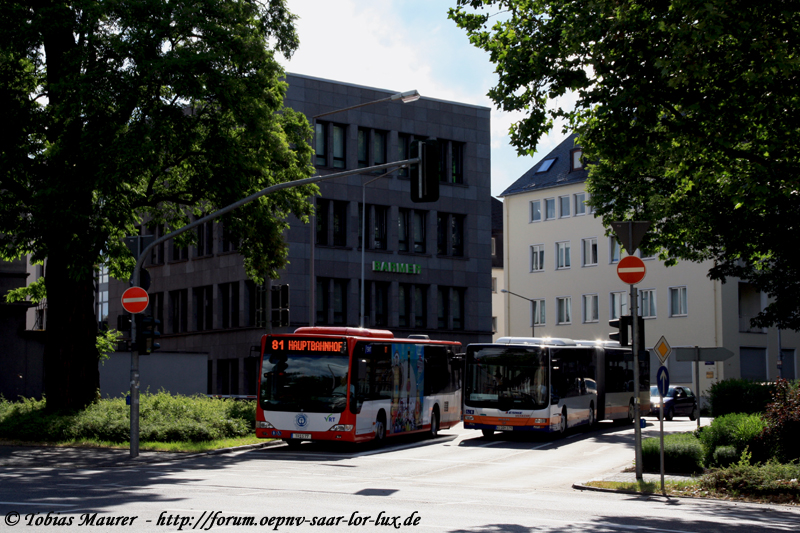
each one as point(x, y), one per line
point(550, 385)
point(355, 385)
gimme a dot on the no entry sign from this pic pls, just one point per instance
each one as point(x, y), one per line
point(135, 300)
point(631, 270)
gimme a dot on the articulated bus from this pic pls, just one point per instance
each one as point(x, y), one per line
point(355, 385)
point(550, 385)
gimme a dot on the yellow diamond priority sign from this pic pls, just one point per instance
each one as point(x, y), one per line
point(662, 349)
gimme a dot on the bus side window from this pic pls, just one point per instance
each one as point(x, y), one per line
point(437, 374)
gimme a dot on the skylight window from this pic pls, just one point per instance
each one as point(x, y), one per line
point(545, 166)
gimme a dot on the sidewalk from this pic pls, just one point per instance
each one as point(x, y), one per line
point(61, 457)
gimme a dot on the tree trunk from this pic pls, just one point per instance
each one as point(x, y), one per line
point(71, 374)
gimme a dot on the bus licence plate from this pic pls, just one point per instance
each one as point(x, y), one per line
point(505, 428)
point(301, 435)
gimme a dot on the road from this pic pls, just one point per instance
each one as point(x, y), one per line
point(459, 482)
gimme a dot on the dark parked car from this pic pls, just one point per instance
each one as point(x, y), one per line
point(679, 401)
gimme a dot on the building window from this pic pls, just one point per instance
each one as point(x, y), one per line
point(457, 157)
point(205, 239)
point(229, 243)
point(457, 235)
point(229, 304)
point(179, 253)
point(788, 368)
point(377, 220)
point(157, 253)
point(647, 308)
point(363, 148)
point(494, 285)
point(376, 304)
point(379, 148)
point(536, 210)
point(537, 258)
point(545, 166)
point(564, 310)
point(179, 311)
point(563, 206)
point(613, 250)
point(403, 228)
point(321, 144)
point(591, 308)
point(442, 307)
point(619, 305)
point(550, 208)
point(753, 364)
point(457, 307)
point(494, 247)
point(203, 307)
point(323, 300)
point(575, 162)
point(562, 255)
point(331, 222)
point(420, 231)
point(677, 301)
point(102, 306)
point(420, 307)
point(339, 151)
point(403, 152)
point(589, 251)
point(441, 233)
point(538, 312)
point(580, 204)
point(404, 305)
point(339, 301)
point(494, 324)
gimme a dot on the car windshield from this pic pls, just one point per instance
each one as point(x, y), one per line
point(304, 380)
point(670, 392)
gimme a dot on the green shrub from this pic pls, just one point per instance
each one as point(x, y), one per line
point(782, 421)
point(683, 454)
point(739, 396)
point(725, 456)
point(738, 430)
point(743, 478)
point(162, 418)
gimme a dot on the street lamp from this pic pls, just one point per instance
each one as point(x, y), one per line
point(533, 311)
point(404, 97)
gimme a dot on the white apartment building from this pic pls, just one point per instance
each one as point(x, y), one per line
point(557, 254)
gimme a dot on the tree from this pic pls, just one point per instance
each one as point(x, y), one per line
point(689, 111)
point(124, 111)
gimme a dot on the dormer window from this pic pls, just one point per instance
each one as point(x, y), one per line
point(545, 166)
point(575, 159)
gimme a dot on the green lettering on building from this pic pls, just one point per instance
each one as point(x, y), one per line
point(399, 268)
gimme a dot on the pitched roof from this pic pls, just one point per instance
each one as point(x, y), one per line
point(556, 174)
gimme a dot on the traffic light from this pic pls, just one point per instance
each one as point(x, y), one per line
point(280, 306)
point(622, 324)
point(147, 334)
point(425, 174)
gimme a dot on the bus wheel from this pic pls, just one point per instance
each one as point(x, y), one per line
point(380, 428)
point(592, 419)
point(487, 432)
point(435, 423)
point(562, 425)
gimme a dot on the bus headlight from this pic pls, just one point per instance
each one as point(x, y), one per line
point(540, 421)
point(342, 427)
point(263, 425)
point(469, 417)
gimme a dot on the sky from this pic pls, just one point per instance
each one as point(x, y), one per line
point(401, 45)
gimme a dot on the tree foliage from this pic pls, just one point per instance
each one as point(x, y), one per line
point(124, 111)
point(689, 111)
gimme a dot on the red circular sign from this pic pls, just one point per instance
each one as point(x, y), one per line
point(631, 270)
point(135, 300)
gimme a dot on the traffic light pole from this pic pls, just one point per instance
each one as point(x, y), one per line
point(216, 214)
point(636, 411)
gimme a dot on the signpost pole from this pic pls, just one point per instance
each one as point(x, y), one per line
point(637, 413)
point(661, 403)
point(697, 381)
point(135, 369)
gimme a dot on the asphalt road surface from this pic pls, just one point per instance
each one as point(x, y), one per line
point(460, 482)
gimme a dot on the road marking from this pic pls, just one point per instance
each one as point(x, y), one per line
point(40, 504)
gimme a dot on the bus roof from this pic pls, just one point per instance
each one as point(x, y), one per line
point(544, 341)
point(345, 332)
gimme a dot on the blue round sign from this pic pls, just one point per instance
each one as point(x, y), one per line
point(662, 380)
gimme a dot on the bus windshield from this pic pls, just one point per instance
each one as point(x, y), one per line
point(304, 375)
point(507, 378)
